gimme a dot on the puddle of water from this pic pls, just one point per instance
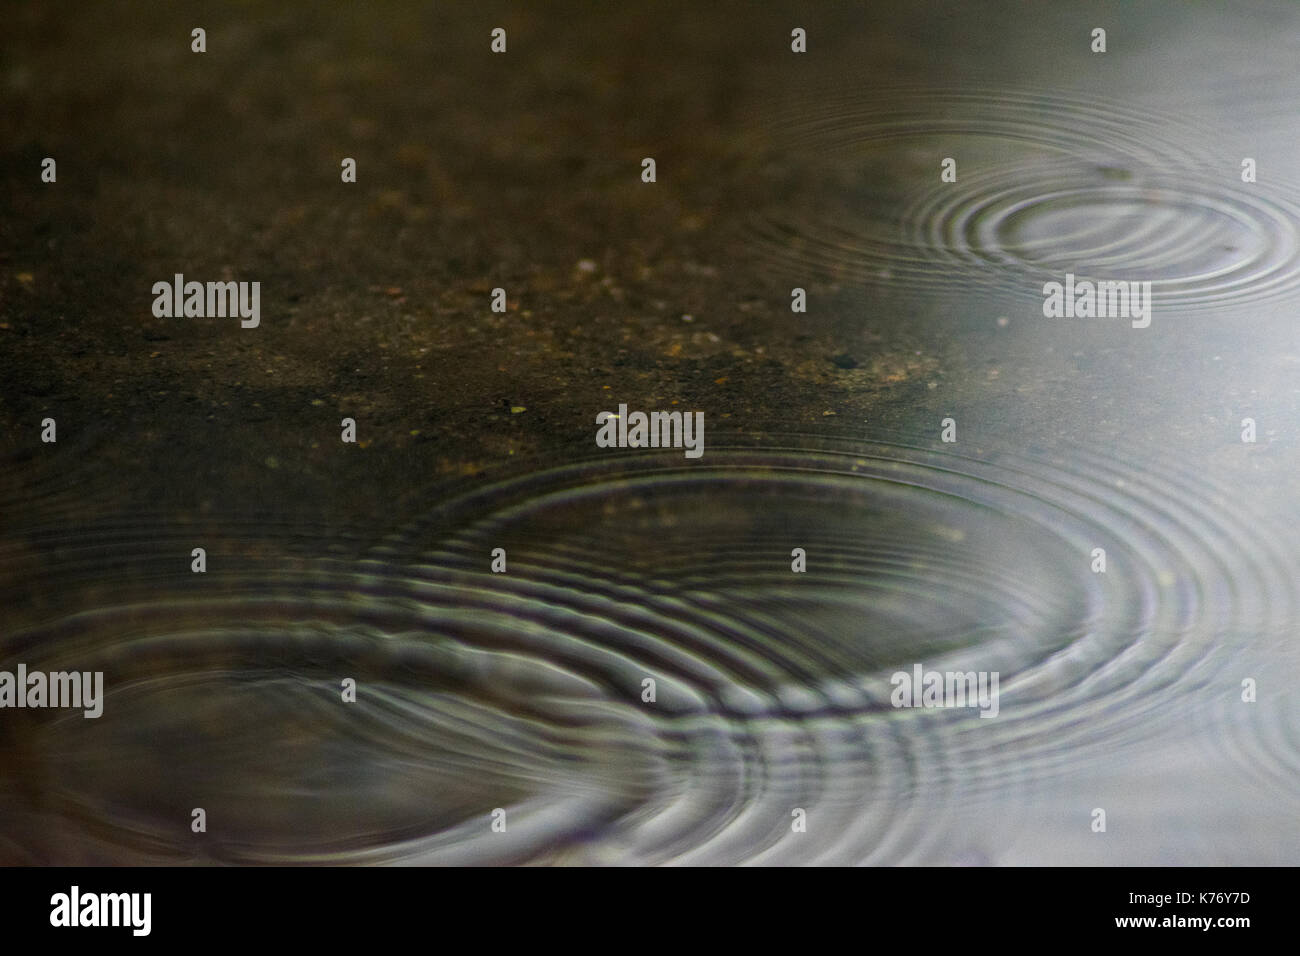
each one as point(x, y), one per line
point(523, 691)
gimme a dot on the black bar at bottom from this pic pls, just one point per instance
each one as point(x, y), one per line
point(330, 906)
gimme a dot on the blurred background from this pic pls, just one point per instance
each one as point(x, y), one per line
point(523, 691)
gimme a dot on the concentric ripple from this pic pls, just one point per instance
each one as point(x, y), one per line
point(524, 690)
point(1047, 184)
point(1198, 241)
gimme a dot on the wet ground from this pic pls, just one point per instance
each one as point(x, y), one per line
point(523, 690)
